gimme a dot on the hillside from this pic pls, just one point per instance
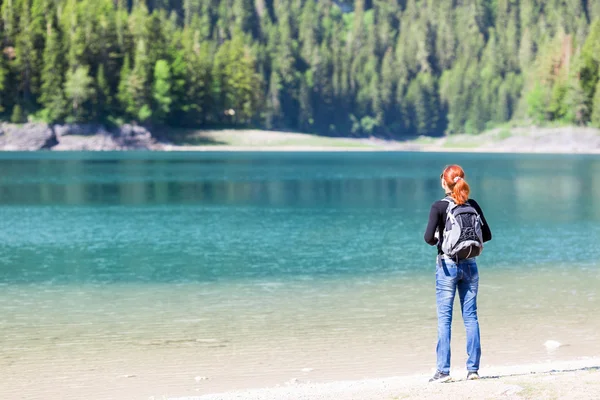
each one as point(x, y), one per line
point(388, 68)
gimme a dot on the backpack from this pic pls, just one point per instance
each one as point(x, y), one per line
point(462, 235)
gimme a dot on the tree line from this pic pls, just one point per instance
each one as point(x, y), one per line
point(390, 68)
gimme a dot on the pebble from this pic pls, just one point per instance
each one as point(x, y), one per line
point(551, 345)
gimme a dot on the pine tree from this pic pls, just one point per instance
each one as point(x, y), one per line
point(27, 55)
point(596, 107)
point(422, 95)
point(78, 89)
point(123, 94)
point(74, 34)
point(273, 109)
point(3, 73)
point(52, 95)
point(589, 67)
point(235, 82)
point(162, 90)
point(103, 94)
point(137, 85)
point(194, 83)
point(17, 115)
point(387, 87)
point(10, 13)
point(575, 109)
point(537, 102)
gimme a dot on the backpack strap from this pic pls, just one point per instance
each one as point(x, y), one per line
point(451, 203)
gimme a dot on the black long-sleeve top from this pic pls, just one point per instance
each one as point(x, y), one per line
point(437, 221)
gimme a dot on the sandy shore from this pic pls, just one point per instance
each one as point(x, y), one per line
point(578, 379)
point(563, 140)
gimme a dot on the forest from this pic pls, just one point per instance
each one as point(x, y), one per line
point(387, 68)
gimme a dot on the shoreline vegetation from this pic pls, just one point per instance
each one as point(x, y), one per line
point(552, 380)
point(89, 137)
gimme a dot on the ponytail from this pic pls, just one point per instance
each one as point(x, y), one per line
point(454, 176)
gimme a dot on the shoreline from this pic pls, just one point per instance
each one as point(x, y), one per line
point(553, 379)
point(97, 138)
point(533, 140)
point(391, 149)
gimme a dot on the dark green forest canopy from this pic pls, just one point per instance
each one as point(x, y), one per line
point(391, 68)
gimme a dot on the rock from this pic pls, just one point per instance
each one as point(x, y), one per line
point(79, 130)
point(83, 137)
point(200, 378)
point(551, 345)
point(99, 142)
point(134, 137)
point(27, 137)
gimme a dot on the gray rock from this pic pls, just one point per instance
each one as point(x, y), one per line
point(27, 137)
point(84, 137)
point(134, 137)
point(78, 130)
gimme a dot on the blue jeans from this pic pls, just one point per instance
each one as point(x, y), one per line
point(448, 277)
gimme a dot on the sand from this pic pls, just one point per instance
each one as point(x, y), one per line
point(578, 379)
point(560, 140)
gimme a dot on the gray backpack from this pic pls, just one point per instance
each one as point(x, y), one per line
point(462, 236)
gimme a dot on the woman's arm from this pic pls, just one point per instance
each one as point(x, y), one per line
point(432, 225)
point(485, 229)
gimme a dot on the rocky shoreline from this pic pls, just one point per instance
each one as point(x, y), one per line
point(75, 137)
point(97, 137)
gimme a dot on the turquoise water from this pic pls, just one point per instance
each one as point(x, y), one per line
point(225, 264)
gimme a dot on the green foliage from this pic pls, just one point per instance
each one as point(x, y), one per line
point(3, 73)
point(596, 107)
point(235, 82)
point(162, 90)
point(52, 95)
point(379, 67)
point(104, 96)
point(537, 103)
point(123, 92)
point(17, 115)
point(575, 109)
point(78, 89)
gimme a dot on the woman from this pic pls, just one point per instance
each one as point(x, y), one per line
point(452, 275)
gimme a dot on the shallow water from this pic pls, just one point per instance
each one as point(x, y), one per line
point(130, 275)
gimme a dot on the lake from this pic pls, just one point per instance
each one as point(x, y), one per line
point(131, 275)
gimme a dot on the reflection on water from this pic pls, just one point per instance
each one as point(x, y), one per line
point(252, 266)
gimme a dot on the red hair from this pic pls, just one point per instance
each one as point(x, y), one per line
point(454, 176)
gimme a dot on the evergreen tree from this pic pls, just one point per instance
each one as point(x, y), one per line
point(236, 83)
point(17, 115)
point(27, 55)
point(78, 89)
point(52, 95)
point(137, 85)
point(103, 94)
point(596, 107)
point(162, 90)
point(382, 67)
point(123, 94)
point(575, 109)
point(3, 73)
